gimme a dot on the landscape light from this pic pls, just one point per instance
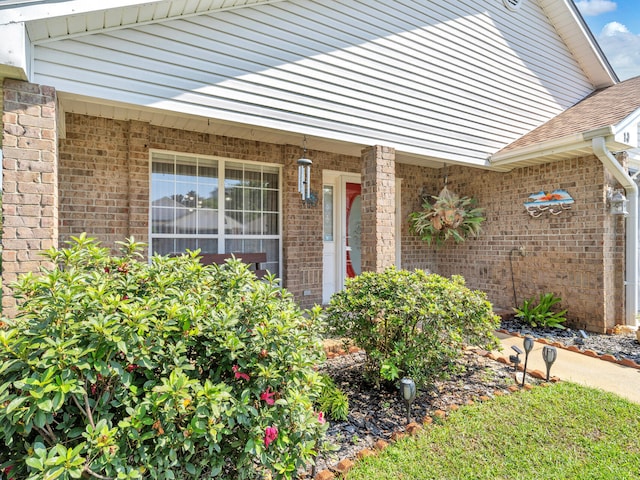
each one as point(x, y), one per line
point(408, 391)
point(528, 346)
point(549, 355)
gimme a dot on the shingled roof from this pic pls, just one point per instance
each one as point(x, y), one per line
point(608, 106)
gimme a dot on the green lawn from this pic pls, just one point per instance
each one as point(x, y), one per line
point(564, 431)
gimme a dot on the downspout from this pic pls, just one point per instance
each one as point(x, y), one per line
point(631, 240)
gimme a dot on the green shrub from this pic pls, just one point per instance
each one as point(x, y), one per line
point(542, 314)
point(411, 323)
point(119, 368)
point(333, 401)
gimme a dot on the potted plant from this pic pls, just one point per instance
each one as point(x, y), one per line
point(448, 216)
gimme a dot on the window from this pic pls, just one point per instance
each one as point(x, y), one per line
point(215, 205)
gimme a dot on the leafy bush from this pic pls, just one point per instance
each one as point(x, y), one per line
point(333, 401)
point(542, 314)
point(118, 368)
point(411, 323)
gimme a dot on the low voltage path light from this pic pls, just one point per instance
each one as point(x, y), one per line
point(408, 392)
point(515, 359)
point(549, 355)
point(528, 346)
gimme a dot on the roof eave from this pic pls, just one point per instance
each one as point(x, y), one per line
point(581, 41)
point(542, 151)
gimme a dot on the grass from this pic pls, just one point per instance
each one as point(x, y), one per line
point(564, 431)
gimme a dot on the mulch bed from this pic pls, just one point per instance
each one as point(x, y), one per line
point(376, 414)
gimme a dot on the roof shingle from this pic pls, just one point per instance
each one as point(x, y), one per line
point(608, 106)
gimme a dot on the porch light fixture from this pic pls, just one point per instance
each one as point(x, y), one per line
point(304, 174)
point(618, 203)
point(408, 392)
point(528, 346)
point(549, 355)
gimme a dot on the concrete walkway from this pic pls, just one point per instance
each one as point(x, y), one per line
point(579, 368)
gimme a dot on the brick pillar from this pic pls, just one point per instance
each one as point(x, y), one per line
point(138, 164)
point(378, 208)
point(29, 183)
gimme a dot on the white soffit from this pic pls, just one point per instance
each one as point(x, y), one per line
point(48, 21)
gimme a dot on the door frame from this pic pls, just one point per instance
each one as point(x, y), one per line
point(337, 269)
point(334, 257)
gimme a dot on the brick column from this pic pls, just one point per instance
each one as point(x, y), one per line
point(138, 156)
point(378, 208)
point(29, 183)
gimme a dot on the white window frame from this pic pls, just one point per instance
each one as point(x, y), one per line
point(221, 236)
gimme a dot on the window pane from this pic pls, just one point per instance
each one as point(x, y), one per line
point(253, 223)
point(233, 198)
point(327, 213)
point(270, 200)
point(208, 195)
point(252, 200)
point(163, 246)
point(162, 220)
point(185, 220)
point(183, 244)
point(234, 245)
point(207, 221)
point(186, 173)
point(233, 223)
point(162, 192)
point(207, 169)
point(270, 224)
point(208, 245)
point(270, 179)
point(253, 178)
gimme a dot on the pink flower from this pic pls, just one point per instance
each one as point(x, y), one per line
point(267, 396)
point(321, 418)
point(239, 374)
point(270, 434)
point(7, 470)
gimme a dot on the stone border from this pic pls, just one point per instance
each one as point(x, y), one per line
point(341, 469)
point(607, 357)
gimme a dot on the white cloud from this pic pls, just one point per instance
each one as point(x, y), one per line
point(591, 8)
point(622, 49)
point(613, 28)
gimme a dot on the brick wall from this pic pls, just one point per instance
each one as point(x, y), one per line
point(416, 181)
point(94, 179)
point(577, 255)
point(30, 181)
point(104, 185)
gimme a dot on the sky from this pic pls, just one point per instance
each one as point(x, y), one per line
point(616, 26)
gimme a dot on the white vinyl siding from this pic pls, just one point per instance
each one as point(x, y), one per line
point(452, 80)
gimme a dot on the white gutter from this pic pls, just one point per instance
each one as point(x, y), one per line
point(631, 240)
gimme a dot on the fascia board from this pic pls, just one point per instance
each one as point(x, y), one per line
point(15, 50)
point(551, 147)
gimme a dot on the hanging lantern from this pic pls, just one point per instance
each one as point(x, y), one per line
point(304, 174)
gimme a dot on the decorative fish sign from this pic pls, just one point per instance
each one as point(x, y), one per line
point(554, 203)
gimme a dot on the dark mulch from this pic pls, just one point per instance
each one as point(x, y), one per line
point(378, 413)
point(621, 344)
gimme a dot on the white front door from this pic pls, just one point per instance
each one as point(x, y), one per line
point(341, 203)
